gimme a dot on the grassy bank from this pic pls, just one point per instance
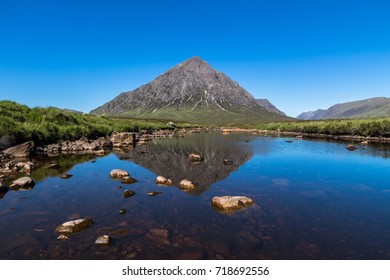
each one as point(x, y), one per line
point(19, 123)
point(374, 127)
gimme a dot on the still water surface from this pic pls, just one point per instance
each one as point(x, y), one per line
point(313, 200)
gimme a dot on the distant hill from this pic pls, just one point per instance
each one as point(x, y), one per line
point(373, 107)
point(193, 92)
point(72, 111)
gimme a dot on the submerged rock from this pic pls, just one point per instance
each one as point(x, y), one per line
point(364, 143)
point(159, 235)
point(103, 240)
point(231, 202)
point(62, 237)
point(65, 176)
point(350, 147)
point(118, 173)
point(160, 180)
point(24, 182)
point(74, 226)
point(187, 185)
point(128, 193)
point(20, 151)
point(128, 180)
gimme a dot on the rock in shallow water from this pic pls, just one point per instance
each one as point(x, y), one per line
point(187, 185)
point(65, 176)
point(62, 237)
point(160, 180)
point(74, 226)
point(103, 240)
point(118, 173)
point(128, 193)
point(24, 182)
point(350, 147)
point(231, 202)
point(154, 193)
point(159, 235)
point(128, 180)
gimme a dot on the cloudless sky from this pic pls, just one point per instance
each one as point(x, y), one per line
point(301, 55)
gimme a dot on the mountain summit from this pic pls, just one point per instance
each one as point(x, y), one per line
point(190, 91)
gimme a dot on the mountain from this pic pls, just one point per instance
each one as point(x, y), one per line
point(191, 91)
point(269, 106)
point(372, 107)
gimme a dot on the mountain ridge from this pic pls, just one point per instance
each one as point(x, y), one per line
point(366, 108)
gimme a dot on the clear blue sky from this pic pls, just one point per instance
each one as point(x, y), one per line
point(301, 55)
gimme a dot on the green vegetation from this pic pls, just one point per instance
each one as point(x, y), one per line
point(374, 127)
point(19, 123)
point(211, 115)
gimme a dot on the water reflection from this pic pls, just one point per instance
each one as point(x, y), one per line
point(313, 200)
point(169, 158)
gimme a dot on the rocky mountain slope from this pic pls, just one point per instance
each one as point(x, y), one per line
point(190, 91)
point(269, 106)
point(372, 107)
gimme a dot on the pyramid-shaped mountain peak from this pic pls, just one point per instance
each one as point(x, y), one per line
point(191, 91)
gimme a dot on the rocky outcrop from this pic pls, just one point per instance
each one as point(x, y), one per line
point(74, 226)
point(119, 139)
point(231, 203)
point(187, 185)
point(83, 145)
point(24, 183)
point(118, 173)
point(20, 151)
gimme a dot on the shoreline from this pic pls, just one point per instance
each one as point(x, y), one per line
point(355, 138)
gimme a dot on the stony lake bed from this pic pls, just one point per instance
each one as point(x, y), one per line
point(313, 199)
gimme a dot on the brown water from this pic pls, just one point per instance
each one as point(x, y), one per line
point(313, 200)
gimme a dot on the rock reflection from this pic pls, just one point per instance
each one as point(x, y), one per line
point(169, 158)
point(63, 164)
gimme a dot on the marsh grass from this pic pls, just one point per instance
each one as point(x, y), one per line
point(373, 127)
point(19, 123)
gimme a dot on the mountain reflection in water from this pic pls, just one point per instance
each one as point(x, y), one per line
point(169, 158)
